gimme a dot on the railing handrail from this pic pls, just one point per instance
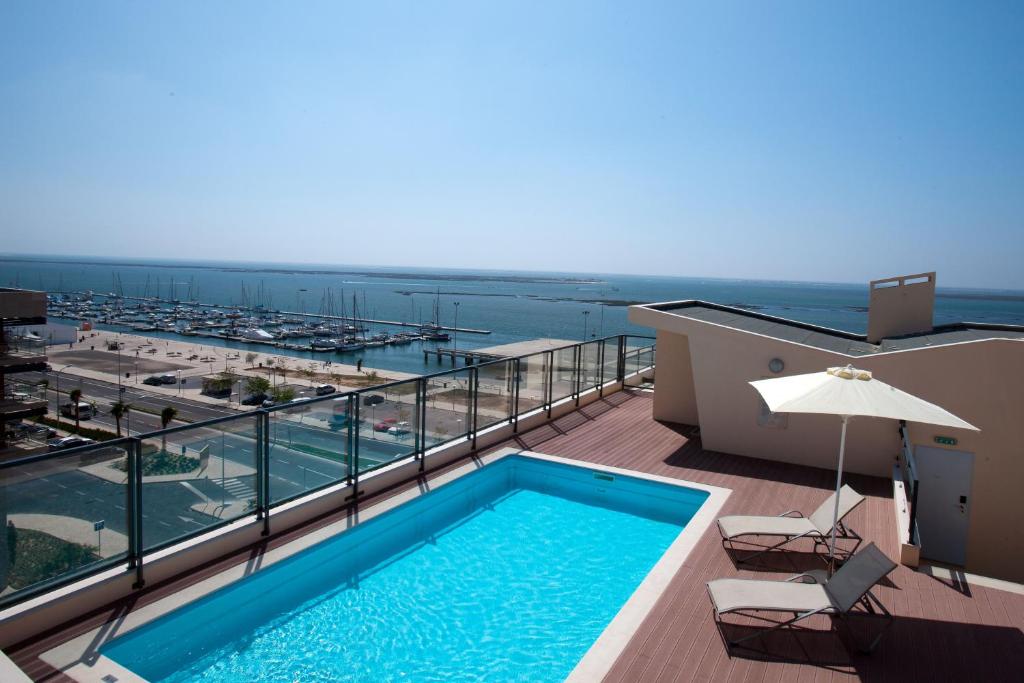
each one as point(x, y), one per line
point(589, 371)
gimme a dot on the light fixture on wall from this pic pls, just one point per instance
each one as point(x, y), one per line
point(776, 365)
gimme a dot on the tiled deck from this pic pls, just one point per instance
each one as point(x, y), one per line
point(942, 631)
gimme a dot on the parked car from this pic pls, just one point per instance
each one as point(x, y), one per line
point(255, 400)
point(325, 389)
point(153, 381)
point(381, 427)
point(41, 431)
point(66, 442)
point(372, 399)
point(167, 379)
point(268, 403)
point(400, 429)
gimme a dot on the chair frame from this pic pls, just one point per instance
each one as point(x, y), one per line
point(843, 532)
point(872, 608)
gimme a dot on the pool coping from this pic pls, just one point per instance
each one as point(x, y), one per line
point(79, 658)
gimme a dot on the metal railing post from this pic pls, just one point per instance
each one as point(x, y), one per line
point(517, 367)
point(262, 469)
point(135, 542)
point(620, 361)
point(421, 421)
point(475, 391)
point(354, 449)
point(549, 389)
point(600, 369)
point(577, 362)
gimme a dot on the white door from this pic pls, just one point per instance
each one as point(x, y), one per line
point(943, 502)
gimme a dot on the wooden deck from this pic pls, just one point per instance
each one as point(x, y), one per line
point(942, 631)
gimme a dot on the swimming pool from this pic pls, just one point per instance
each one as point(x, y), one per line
point(508, 573)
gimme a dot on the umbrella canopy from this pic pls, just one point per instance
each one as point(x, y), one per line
point(849, 392)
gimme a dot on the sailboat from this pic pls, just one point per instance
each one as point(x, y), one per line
point(433, 330)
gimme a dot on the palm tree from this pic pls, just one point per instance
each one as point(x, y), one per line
point(167, 415)
point(118, 411)
point(75, 395)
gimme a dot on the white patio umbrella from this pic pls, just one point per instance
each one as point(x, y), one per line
point(849, 392)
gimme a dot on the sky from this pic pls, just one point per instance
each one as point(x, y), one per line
point(773, 140)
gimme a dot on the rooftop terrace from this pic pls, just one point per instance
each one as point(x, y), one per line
point(945, 629)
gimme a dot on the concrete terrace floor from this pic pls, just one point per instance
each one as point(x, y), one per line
point(942, 631)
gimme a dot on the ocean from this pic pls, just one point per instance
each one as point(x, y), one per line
point(511, 305)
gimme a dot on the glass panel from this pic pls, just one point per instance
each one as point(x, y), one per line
point(308, 447)
point(611, 361)
point(494, 398)
point(388, 423)
point(197, 478)
point(533, 381)
point(448, 407)
point(63, 515)
point(590, 367)
point(563, 381)
point(633, 378)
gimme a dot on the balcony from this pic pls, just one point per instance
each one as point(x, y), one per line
point(22, 354)
point(22, 401)
point(948, 626)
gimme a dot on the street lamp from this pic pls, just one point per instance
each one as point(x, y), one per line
point(586, 315)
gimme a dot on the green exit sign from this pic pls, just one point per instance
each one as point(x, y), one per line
point(945, 440)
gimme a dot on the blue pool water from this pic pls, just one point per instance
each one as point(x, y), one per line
point(509, 573)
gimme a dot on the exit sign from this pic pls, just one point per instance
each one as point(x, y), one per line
point(945, 440)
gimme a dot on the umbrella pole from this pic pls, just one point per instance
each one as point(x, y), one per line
point(835, 509)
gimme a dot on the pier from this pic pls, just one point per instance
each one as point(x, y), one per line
point(396, 323)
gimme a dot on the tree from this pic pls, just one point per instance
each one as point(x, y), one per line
point(282, 394)
point(250, 358)
point(257, 385)
point(167, 415)
point(309, 372)
point(75, 396)
point(118, 411)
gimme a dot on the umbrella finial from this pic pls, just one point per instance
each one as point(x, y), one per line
point(850, 372)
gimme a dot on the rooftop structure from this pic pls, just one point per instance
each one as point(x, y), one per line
point(20, 353)
point(707, 354)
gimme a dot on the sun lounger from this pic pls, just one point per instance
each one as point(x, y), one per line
point(803, 596)
point(792, 525)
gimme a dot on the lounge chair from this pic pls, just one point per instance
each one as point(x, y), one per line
point(814, 594)
point(792, 525)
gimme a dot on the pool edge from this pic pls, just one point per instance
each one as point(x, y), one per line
point(80, 660)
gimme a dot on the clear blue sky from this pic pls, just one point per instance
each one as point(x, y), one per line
point(790, 140)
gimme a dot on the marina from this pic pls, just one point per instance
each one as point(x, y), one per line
point(328, 331)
